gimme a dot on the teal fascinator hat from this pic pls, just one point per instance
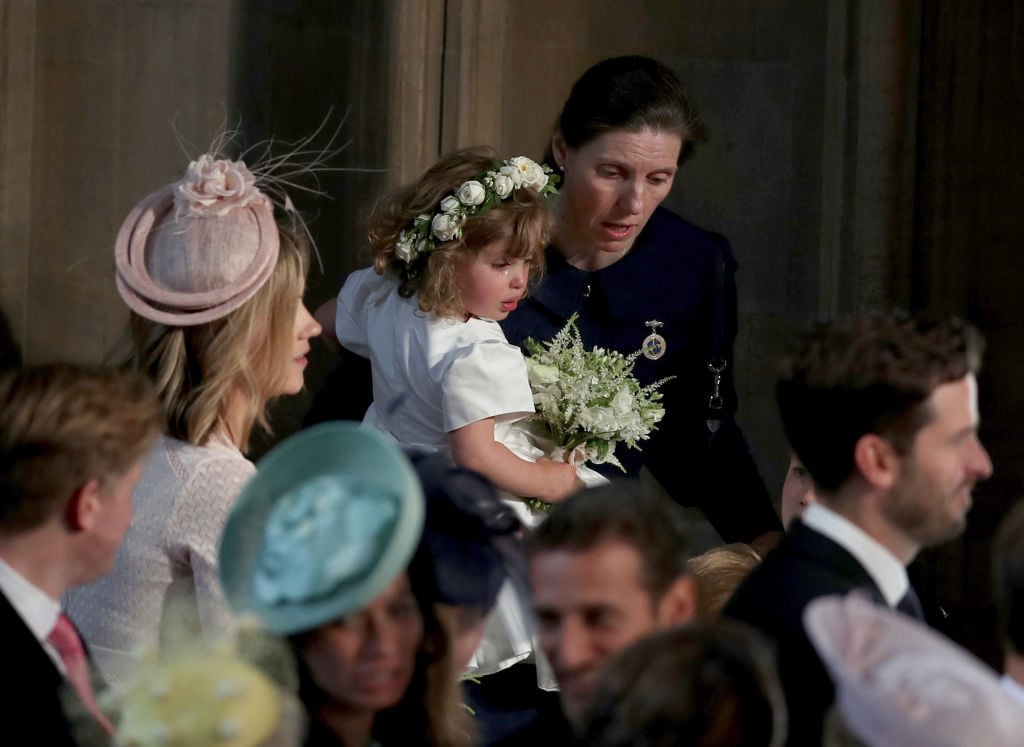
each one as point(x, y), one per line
point(331, 517)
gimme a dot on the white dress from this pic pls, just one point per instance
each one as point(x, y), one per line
point(433, 375)
point(165, 579)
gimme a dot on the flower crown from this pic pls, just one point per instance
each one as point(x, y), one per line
point(474, 197)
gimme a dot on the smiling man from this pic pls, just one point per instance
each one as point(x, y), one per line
point(607, 567)
point(883, 413)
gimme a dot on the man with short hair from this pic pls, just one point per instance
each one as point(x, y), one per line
point(1008, 584)
point(883, 414)
point(607, 567)
point(72, 440)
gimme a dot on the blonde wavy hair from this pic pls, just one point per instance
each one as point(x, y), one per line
point(198, 371)
point(523, 218)
point(718, 572)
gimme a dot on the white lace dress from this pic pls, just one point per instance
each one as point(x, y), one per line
point(165, 580)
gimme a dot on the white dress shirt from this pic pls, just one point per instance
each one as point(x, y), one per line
point(1012, 688)
point(431, 375)
point(884, 568)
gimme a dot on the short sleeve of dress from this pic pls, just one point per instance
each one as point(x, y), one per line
point(350, 322)
point(196, 524)
point(485, 380)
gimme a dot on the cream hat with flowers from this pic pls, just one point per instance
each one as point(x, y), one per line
point(195, 250)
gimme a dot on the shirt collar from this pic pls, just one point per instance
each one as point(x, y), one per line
point(37, 608)
point(1012, 688)
point(884, 568)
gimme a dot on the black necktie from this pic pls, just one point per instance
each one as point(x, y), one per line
point(910, 605)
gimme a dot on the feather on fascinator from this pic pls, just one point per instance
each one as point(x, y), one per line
point(195, 250)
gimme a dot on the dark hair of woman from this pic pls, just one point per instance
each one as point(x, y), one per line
point(630, 94)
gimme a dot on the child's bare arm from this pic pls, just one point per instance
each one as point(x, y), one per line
point(474, 447)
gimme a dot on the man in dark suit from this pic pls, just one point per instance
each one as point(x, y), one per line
point(72, 440)
point(883, 414)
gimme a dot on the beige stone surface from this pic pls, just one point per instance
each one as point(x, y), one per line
point(95, 93)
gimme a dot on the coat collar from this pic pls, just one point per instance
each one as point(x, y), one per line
point(621, 286)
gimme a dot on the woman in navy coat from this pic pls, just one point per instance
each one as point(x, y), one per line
point(640, 277)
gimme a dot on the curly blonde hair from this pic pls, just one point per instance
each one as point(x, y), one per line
point(522, 218)
point(198, 371)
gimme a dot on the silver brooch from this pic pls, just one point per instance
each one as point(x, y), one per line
point(654, 345)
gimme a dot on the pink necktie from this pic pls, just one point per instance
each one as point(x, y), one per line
point(65, 639)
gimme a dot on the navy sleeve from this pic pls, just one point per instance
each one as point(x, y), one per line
point(716, 473)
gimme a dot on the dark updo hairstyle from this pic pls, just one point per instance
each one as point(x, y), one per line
point(630, 94)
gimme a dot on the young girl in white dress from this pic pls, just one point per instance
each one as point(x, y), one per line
point(452, 256)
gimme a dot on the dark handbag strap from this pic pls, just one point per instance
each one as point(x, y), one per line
point(716, 362)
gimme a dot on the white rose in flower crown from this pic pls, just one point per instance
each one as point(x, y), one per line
point(513, 174)
point(445, 227)
point(533, 174)
point(214, 187)
point(450, 204)
point(471, 193)
point(404, 248)
point(503, 185)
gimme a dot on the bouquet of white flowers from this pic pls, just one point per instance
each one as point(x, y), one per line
point(588, 400)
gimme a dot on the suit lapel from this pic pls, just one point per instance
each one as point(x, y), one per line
point(24, 652)
point(823, 551)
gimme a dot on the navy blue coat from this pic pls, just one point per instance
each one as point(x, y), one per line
point(667, 276)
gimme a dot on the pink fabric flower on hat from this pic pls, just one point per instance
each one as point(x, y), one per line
point(215, 187)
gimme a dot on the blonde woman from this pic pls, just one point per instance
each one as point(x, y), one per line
point(215, 288)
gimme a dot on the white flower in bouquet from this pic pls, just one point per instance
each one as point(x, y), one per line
point(590, 400)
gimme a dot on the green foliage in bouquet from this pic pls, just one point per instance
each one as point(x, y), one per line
point(590, 398)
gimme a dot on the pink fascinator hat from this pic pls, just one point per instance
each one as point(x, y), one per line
point(899, 683)
point(195, 250)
